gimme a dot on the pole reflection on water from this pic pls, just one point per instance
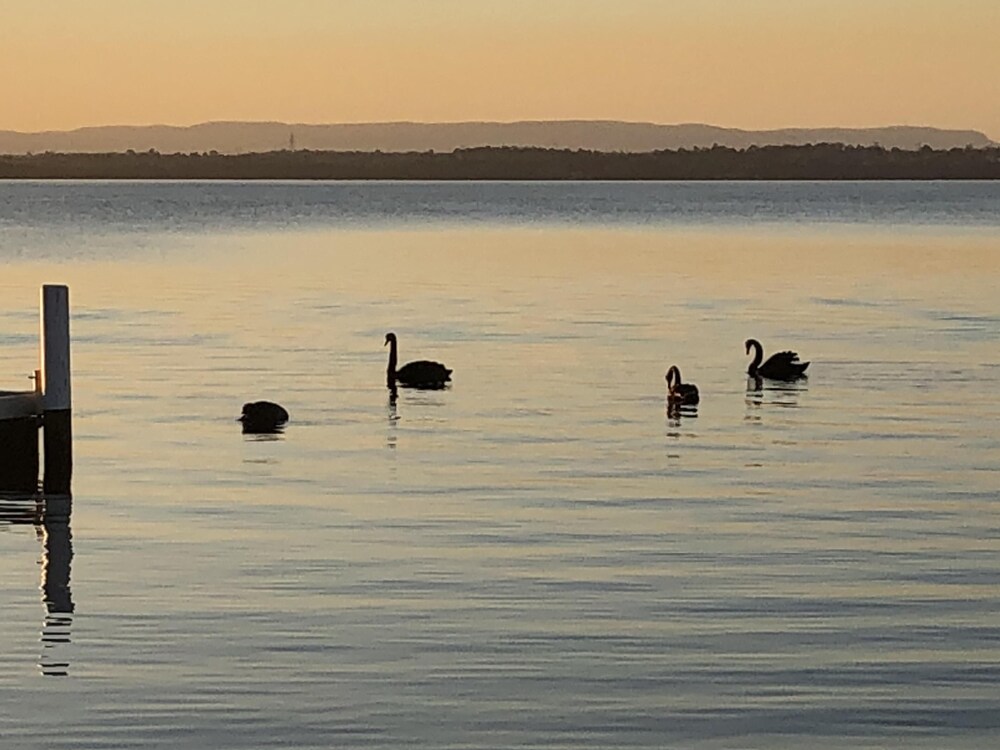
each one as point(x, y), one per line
point(57, 554)
point(50, 518)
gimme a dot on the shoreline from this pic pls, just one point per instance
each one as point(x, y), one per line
point(821, 162)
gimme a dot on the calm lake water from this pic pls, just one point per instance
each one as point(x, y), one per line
point(541, 555)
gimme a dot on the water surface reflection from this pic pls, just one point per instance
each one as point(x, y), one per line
point(676, 413)
point(51, 520)
point(393, 416)
point(772, 392)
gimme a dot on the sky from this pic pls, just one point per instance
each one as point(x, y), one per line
point(753, 64)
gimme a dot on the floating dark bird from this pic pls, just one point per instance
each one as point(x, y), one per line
point(419, 374)
point(263, 417)
point(678, 392)
point(780, 366)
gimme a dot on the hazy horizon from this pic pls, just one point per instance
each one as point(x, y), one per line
point(761, 65)
point(589, 135)
point(473, 121)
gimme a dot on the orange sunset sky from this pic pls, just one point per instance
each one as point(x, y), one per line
point(738, 63)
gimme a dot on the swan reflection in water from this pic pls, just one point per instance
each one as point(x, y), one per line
point(51, 519)
point(393, 416)
point(677, 412)
point(421, 398)
point(782, 394)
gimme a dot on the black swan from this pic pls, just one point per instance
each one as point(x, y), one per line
point(262, 417)
point(780, 366)
point(679, 392)
point(420, 374)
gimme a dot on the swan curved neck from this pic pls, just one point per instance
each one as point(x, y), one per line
point(391, 369)
point(673, 376)
point(758, 355)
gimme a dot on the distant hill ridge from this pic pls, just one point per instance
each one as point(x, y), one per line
point(597, 135)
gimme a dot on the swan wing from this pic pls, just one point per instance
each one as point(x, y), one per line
point(686, 393)
point(782, 359)
point(783, 366)
point(423, 371)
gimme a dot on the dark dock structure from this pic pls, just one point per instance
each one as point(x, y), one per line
point(46, 408)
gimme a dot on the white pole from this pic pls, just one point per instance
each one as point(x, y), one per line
point(56, 391)
point(55, 348)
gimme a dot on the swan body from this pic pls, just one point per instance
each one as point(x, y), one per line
point(780, 366)
point(420, 374)
point(679, 392)
point(263, 417)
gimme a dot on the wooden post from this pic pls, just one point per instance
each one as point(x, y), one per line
point(56, 401)
point(19, 440)
point(19, 454)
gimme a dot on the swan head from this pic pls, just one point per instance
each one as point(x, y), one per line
point(748, 344)
point(389, 337)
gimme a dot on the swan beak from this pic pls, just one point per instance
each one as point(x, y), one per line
point(386, 343)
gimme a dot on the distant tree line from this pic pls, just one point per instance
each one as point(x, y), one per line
point(825, 161)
